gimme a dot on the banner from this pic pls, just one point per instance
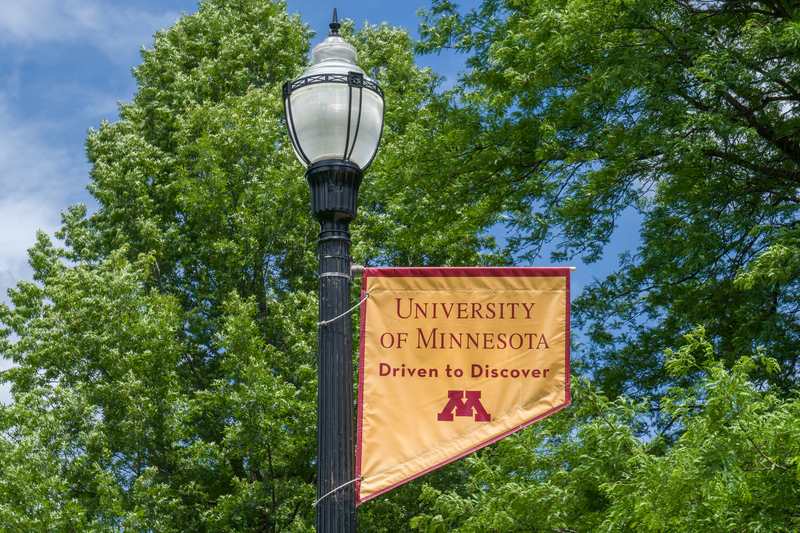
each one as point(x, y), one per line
point(453, 359)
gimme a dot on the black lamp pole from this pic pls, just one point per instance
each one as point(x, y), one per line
point(334, 196)
point(334, 115)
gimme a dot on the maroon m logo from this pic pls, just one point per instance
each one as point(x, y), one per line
point(464, 408)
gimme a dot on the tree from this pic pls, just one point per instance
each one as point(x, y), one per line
point(166, 376)
point(683, 111)
point(103, 436)
point(166, 373)
point(734, 467)
point(687, 113)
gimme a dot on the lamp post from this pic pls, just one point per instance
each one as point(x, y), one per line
point(334, 114)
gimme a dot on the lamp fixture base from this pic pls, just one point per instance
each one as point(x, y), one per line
point(334, 190)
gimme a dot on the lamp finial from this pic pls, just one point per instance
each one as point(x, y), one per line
point(335, 24)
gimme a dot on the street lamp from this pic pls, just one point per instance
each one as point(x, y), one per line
point(334, 114)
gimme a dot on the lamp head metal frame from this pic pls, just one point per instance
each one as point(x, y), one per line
point(356, 81)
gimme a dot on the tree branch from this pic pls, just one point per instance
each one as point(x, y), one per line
point(774, 464)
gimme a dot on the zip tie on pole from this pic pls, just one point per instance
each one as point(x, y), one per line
point(325, 323)
point(314, 505)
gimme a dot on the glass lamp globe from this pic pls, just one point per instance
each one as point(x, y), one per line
point(334, 112)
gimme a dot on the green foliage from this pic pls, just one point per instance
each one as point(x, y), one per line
point(165, 374)
point(733, 468)
point(412, 212)
point(96, 417)
point(102, 435)
point(685, 112)
point(166, 367)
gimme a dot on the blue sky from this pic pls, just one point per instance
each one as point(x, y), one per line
point(64, 65)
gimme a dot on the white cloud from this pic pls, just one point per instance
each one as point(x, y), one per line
point(117, 31)
point(11, 82)
point(21, 220)
point(101, 105)
point(43, 167)
point(38, 180)
point(29, 162)
point(5, 388)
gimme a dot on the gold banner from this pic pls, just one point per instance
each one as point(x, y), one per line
point(453, 359)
